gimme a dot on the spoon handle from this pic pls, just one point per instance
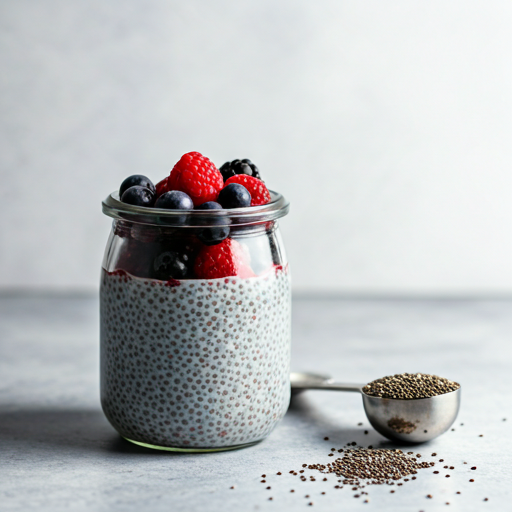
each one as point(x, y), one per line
point(329, 384)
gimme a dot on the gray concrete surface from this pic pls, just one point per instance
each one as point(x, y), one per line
point(57, 451)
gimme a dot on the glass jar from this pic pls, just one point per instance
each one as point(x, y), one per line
point(192, 357)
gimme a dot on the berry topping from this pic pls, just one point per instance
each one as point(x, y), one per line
point(174, 200)
point(259, 192)
point(197, 176)
point(244, 166)
point(170, 265)
point(234, 195)
point(213, 235)
point(222, 260)
point(138, 196)
point(136, 180)
point(161, 187)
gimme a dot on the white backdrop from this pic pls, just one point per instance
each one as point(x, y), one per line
point(387, 124)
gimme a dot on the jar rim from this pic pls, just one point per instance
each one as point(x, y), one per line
point(277, 207)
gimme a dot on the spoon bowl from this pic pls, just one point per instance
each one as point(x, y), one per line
point(413, 421)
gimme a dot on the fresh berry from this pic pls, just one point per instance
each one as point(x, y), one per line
point(259, 192)
point(161, 187)
point(210, 205)
point(171, 265)
point(213, 235)
point(222, 260)
point(138, 196)
point(244, 166)
point(234, 195)
point(136, 180)
point(197, 176)
point(174, 200)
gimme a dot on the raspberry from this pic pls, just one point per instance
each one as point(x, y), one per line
point(161, 187)
point(259, 192)
point(197, 176)
point(222, 260)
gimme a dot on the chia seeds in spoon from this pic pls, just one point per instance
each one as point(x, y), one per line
point(410, 386)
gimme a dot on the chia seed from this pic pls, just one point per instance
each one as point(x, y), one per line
point(410, 386)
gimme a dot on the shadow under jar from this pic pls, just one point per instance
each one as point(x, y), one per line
point(192, 364)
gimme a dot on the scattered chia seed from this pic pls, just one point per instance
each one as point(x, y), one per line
point(359, 467)
point(410, 386)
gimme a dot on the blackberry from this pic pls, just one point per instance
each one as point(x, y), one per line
point(238, 166)
point(171, 265)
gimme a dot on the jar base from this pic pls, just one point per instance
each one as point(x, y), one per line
point(191, 450)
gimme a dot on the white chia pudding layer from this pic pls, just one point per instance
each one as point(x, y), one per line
point(195, 363)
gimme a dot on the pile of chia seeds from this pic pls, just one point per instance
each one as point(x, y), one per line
point(368, 466)
point(409, 386)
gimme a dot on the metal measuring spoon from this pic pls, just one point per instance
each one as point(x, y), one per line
point(414, 421)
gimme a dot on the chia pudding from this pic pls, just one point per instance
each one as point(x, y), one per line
point(195, 308)
point(195, 363)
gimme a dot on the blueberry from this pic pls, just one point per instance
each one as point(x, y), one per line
point(174, 200)
point(234, 195)
point(170, 265)
point(210, 205)
point(136, 180)
point(138, 196)
point(212, 235)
